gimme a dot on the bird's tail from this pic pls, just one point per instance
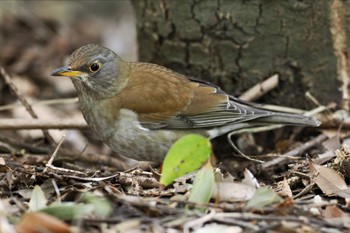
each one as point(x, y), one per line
point(289, 119)
point(278, 117)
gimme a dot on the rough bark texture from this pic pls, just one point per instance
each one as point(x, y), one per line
point(237, 44)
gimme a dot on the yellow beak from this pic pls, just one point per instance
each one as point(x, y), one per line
point(67, 72)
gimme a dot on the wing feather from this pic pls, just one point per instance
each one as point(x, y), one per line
point(165, 99)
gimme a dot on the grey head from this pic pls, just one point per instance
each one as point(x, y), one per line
point(94, 71)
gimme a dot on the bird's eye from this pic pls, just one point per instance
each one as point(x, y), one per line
point(94, 67)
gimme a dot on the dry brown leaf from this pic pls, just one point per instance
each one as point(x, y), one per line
point(41, 222)
point(329, 181)
point(336, 216)
point(285, 189)
point(285, 207)
point(330, 145)
point(332, 212)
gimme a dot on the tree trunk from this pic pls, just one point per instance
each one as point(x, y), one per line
point(236, 44)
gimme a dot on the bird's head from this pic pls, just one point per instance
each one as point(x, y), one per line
point(94, 70)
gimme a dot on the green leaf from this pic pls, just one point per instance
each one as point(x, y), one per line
point(263, 197)
point(68, 210)
point(187, 154)
point(38, 199)
point(102, 206)
point(203, 185)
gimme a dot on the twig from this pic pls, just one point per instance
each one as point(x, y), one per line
point(278, 108)
point(260, 89)
point(305, 190)
point(255, 217)
point(25, 103)
point(43, 102)
point(312, 98)
point(294, 153)
point(245, 224)
point(17, 124)
point(335, 119)
point(91, 179)
point(198, 221)
point(57, 190)
point(49, 163)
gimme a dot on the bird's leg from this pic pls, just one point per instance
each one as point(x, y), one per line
point(249, 130)
point(240, 153)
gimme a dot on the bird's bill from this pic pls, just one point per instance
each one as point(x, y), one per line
point(67, 72)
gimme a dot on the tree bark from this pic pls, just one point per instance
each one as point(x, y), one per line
point(236, 44)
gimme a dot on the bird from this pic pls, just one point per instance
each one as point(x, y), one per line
point(140, 109)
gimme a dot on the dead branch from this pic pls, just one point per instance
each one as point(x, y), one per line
point(25, 103)
point(18, 124)
point(260, 89)
point(54, 154)
point(283, 159)
point(43, 102)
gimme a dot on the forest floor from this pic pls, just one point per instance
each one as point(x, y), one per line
point(56, 176)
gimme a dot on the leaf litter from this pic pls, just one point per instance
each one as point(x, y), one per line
point(87, 189)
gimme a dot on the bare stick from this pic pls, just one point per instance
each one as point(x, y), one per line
point(23, 100)
point(43, 102)
point(49, 163)
point(260, 89)
point(294, 153)
point(312, 98)
point(17, 124)
point(57, 190)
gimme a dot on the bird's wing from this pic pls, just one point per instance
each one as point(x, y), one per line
point(165, 99)
point(211, 107)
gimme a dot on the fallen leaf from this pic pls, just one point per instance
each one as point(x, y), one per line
point(2, 161)
point(285, 207)
point(37, 200)
point(330, 145)
point(328, 180)
point(235, 191)
point(68, 210)
point(332, 212)
point(35, 222)
point(285, 189)
point(203, 185)
point(336, 216)
point(102, 206)
point(249, 179)
point(263, 197)
point(187, 154)
point(232, 192)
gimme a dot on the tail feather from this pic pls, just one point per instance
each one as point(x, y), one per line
point(276, 117)
point(290, 119)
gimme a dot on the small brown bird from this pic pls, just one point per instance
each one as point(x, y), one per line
point(140, 109)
